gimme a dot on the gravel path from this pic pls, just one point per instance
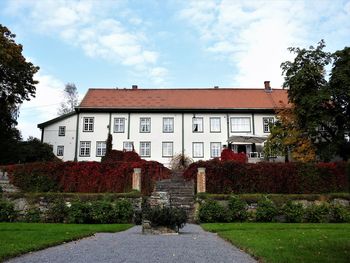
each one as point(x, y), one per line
point(192, 245)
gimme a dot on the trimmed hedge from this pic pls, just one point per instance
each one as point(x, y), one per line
point(284, 178)
point(86, 177)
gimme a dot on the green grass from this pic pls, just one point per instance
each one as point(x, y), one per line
point(280, 242)
point(19, 238)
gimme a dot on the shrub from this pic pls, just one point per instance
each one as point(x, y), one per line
point(122, 212)
point(79, 213)
point(293, 212)
point(339, 214)
point(137, 219)
point(211, 211)
point(237, 208)
point(170, 217)
point(32, 215)
point(57, 211)
point(266, 210)
point(7, 211)
point(317, 213)
point(101, 212)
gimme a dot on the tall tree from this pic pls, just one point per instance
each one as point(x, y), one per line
point(16, 85)
point(71, 99)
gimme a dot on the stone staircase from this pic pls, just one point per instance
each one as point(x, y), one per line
point(5, 184)
point(175, 192)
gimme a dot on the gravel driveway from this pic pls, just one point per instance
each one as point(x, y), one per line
point(192, 245)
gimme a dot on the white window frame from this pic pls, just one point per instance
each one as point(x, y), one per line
point(168, 125)
point(61, 130)
point(85, 149)
point(266, 123)
point(212, 124)
point(215, 152)
point(145, 149)
point(60, 150)
point(197, 125)
point(145, 125)
point(126, 146)
point(101, 147)
point(167, 149)
point(240, 130)
point(119, 125)
point(88, 124)
point(194, 153)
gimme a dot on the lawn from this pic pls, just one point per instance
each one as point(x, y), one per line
point(279, 242)
point(19, 238)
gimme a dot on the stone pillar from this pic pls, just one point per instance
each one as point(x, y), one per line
point(201, 188)
point(136, 179)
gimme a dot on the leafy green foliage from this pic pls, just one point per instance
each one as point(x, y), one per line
point(237, 208)
point(33, 215)
point(266, 210)
point(211, 211)
point(122, 212)
point(79, 213)
point(7, 211)
point(57, 212)
point(33, 150)
point(339, 214)
point(317, 213)
point(293, 212)
point(170, 217)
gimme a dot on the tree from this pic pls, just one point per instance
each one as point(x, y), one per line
point(16, 85)
point(319, 104)
point(33, 150)
point(71, 99)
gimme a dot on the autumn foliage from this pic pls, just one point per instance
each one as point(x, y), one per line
point(284, 178)
point(229, 155)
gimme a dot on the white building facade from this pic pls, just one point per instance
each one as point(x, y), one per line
point(159, 124)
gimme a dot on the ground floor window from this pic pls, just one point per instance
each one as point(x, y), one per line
point(85, 149)
point(128, 146)
point(167, 149)
point(215, 149)
point(198, 150)
point(145, 149)
point(100, 148)
point(60, 150)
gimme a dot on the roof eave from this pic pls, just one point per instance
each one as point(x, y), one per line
point(47, 123)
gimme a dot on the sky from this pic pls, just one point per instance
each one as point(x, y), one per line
point(163, 43)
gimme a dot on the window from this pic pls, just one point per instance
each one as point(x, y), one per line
point(240, 124)
point(88, 124)
point(198, 150)
point(145, 149)
point(60, 150)
point(168, 124)
point(61, 130)
point(145, 124)
point(167, 149)
point(266, 123)
point(215, 149)
point(128, 146)
point(100, 148)
point(197, 124)
point(215, 124)
point(119, 125)
point(85, 149)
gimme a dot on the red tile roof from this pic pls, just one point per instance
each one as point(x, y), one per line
point(220, 98)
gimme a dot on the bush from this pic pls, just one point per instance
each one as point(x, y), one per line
point(237, 209)
point(339, 214)
point(101, 212)
point(32, 215)
point(266, 210)
point(293, 212)
point(7, 211)
point(317, 213)
point(211, 211)
point(57, 211)
point(170, 217)
point(79, 213)
point(122, 212)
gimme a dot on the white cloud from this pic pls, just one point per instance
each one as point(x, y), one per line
point(159, 75)
point(253, 36)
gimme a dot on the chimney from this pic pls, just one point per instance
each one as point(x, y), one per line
point(134, 86)
point(216, 87)
point(267, 86)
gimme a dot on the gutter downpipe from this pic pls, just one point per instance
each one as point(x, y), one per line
point(183, 136)
point(76, 138)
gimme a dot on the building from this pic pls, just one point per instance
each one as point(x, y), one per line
point(159, 123)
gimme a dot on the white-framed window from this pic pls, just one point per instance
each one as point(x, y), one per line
point(215, 124)
point(61, 130)
point(88, 124)
point(85, 149)
point(198, 150)
point(215, 149)
point(168, 125)
point(145, 124)
point(145, 149)
point(101, 148)
point(119, 125)
point(240, 124)
point(60, 150)
point(128, 146)
point(167, 149)
point(266, 123)
point(197, 124)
